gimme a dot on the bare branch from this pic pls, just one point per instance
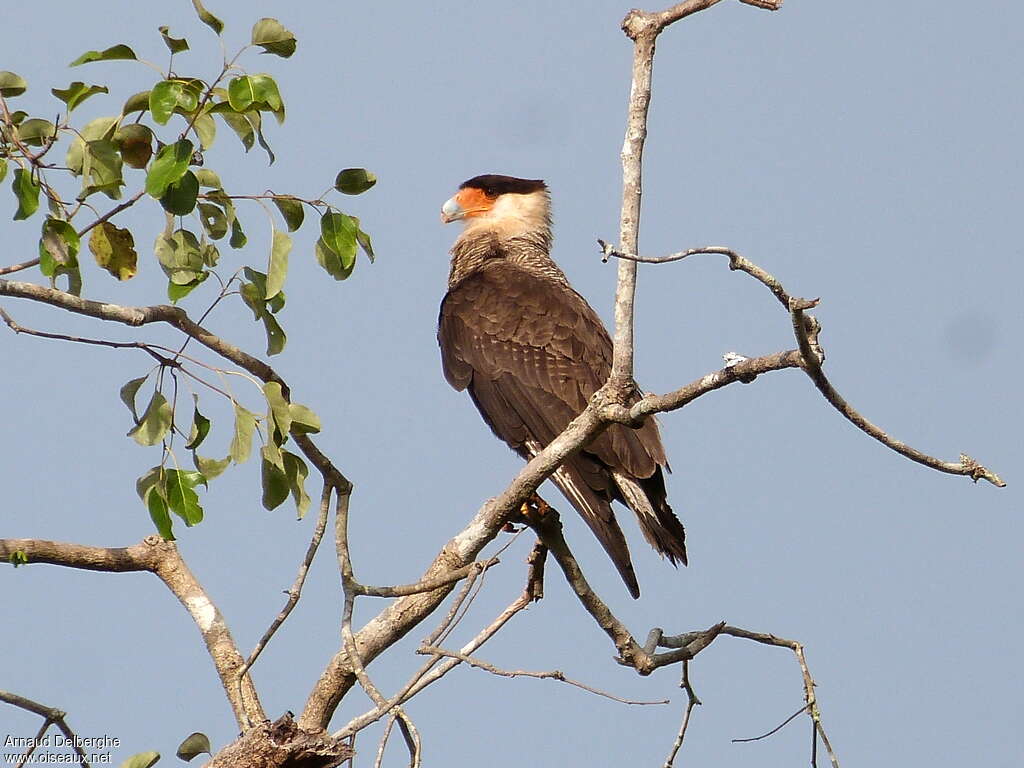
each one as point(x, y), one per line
point(296, 589)
point(429, 585)
point(805, 328)
point(423, 678)
point(691, 702)
point(643, 29)
point(774, 730)
point(552, 675)
point(51, 716)
point(549, 531)
point(736, 263)
point(810, 699)
point(161, 558)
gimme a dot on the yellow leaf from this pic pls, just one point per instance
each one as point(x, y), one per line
point(114, 250)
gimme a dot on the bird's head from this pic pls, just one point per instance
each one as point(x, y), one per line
point(500, 201)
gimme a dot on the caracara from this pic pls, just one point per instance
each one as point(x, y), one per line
point(531, 352)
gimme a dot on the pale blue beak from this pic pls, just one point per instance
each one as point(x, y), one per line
point(451, 211)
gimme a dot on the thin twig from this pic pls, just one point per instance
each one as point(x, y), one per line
point(421, 681)
point(691, 702)
point(295, 592)
point(50, 715)
point(428, 585)
point(412, 737)
point(810, 699)
point(552, 675)
point(806, 328)
point(774, 730)
point(384, 741)
point(803, 327)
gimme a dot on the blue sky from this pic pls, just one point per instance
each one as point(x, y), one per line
point(865, 153)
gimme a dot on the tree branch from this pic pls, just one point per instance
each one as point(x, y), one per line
point(51, 716)
point(643, 29)
point(552, 675)
point(806, 329)
point(161, 558)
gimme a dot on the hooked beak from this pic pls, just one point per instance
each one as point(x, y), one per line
point(452, 211)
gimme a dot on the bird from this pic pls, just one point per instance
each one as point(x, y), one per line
point(531, 352)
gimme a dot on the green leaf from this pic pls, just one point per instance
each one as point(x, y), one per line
point(208, 18)
point(176, 292)
point(58, 253)
point(215, 220)
point(155, 422)
point(274, 481)
point(27, 192)
point(278, 266)
point(241, 93)
point(36, 132)
point(17, 557)
point(237, 123)
point(265, 92)
point(3, 168)
point(135, 143)
point(157, 506)
point(180, 197)
point(331, 261)
point(304, 421)
point(354, 181)
point(278, 410)
point(114, 53)
point(291, 211)
point(254, 292)
point(114, 250)
point(338, 232)
point(196, 743)
point(182, 259)
point(11, 84)
point(206, 130)
point(241, 443)
point(211, 468)
point(364, 242)
point(181, 495)
point(276, 337)
point(95, 130)
point(142, 759)
point(77, 92)
point(152, 489)
point(137, 102)
point(272, 37)
point(170, 164)
point(174, 44)
point(152, 478)
point(128, 393)
point(296, 471)
point(257, 123)
point(200, 427)
point(208, 179)
point(61, 243)
point(101, 167)
point(238, 238)
point(254, 295)
point(163, 99)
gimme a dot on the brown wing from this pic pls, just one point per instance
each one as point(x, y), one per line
point(531, 352)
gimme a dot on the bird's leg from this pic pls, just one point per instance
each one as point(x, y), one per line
point(534, 509)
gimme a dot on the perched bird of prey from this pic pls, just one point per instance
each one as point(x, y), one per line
point(531, 352)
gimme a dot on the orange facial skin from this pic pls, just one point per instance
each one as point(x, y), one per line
point(473, 202)
point(467, 203)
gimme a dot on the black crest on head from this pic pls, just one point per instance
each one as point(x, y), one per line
point(495, 184)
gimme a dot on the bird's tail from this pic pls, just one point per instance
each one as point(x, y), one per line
point(659, 524)
point(597, 513)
